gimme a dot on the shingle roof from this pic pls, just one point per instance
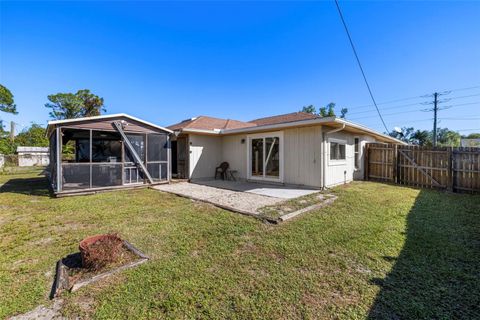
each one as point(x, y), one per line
point(283, 118)
point(210, 123)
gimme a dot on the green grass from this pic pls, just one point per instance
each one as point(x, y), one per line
point(379, 251)
point(295, 204)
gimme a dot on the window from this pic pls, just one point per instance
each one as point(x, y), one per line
point(337, 151)
point(357, 153)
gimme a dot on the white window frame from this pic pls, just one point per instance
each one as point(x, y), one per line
point(281, 154)
point(357, 154)
point(337, 162)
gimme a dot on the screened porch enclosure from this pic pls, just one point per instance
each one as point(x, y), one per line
point(88, 159)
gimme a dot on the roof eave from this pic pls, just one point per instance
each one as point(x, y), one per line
point(320, 121)
point(116, 115)
point(200, 131)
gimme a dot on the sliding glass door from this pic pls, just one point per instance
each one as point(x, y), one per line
point(265, 156)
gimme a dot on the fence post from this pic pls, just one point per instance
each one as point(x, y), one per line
point(450, 169)
point(394, 164)
point(365, 165)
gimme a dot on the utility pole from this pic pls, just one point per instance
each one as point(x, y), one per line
point(12, 131)
point(436, 102)
point(435, 110)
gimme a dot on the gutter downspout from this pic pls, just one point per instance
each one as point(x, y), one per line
point(324, 144)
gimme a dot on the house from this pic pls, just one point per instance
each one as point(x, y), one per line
point(296, 148)
point(118, 151)
point(464, 142)
point(107, 152)
point(32, 156)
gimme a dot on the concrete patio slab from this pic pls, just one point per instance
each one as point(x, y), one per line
point(243, 202)
point(264, 189)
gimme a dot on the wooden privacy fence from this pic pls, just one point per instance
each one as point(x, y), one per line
point(454, 169)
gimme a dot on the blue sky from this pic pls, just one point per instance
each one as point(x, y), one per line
point(166, 61)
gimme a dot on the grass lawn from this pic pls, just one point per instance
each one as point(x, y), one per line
point(380, 251)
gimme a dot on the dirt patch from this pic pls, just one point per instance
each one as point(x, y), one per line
point(282, 208)
point(42, 312)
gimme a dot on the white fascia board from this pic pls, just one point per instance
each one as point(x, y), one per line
point(66, 121)
point(201, 131)
point(371, 131)
point(325, 120)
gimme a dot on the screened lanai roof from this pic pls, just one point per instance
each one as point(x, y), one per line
point(67, 122)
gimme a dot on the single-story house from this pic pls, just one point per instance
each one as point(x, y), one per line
point(296, 148)
point(107, 152)
point(117, 151)
point(32, 156)
point(464, 142)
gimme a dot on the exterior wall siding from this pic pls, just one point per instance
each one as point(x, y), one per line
point(235, 153)
point(205, 154)
point(33, 159)
point(359, 173)
point(303, 165)
point(303, 154)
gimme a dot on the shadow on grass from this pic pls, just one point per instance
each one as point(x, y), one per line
point(437, 274)
point(29, 186)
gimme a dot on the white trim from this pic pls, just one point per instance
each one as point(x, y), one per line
point(55, 122)
point(264, 135)
point(355, 168)
point(324, 120)
point(188, 130)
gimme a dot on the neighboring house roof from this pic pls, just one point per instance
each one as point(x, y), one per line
point(51, 124)
point(283, 118)
point(209, 123)
point(470, 143)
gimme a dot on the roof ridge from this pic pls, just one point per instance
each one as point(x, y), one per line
point(283, 114)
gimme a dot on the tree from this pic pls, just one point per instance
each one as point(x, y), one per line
point(327, 111)
point(34, 136)
point(405, 134)
point(92, 104)
point(6, 101)
point(64, 106)
point(446, 137)
point(309, 109)
point(70, 105)
point(473, 136)
point(421, 138)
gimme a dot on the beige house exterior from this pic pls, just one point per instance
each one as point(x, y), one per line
point(294, 149)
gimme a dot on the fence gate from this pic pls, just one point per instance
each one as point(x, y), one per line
point(455, 169)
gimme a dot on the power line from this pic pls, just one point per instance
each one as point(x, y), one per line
point(461, 97)
point(474, 129)
point(463, 89)
point(387, 102)
point(359, 64)
point(411, 111)
point(464, 119)
point(418, 97)
point(389, 108)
